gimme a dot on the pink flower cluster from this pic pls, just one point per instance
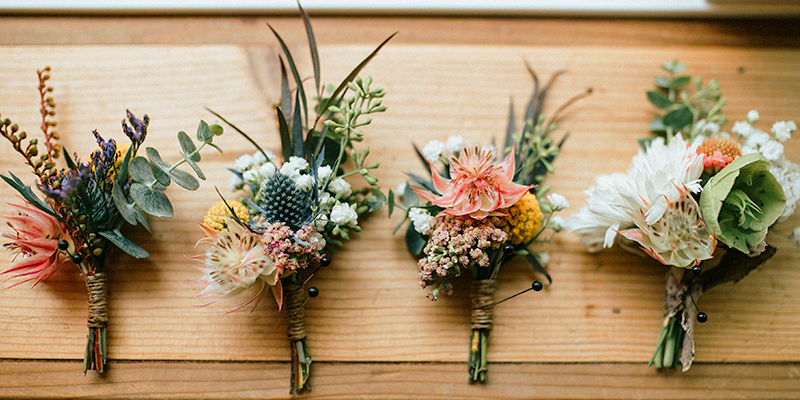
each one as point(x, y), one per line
point(292, 250)
point(457, 243)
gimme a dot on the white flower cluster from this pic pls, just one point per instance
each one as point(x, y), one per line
point(423, 221)
point(433, 150)
point(256, 170)
point(771, 147)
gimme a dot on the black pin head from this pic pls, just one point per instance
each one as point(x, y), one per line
point(702, 317)
point(325, 261)
point(537, 286)
point(508, 249)
point(313, 291)
point(76, 258)
point(63, 244)
point(696, 270)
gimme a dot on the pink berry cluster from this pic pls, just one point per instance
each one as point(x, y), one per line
point(292, 250)
point(457, 243)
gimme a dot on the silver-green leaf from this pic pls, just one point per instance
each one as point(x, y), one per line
point(151, 201)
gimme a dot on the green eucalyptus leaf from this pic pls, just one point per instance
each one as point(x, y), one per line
point(390, 202)
point(141, 171)
point(161, 176)
point(657, 125)
point(124, 206)
point(184, 179)
point(376, 200)
point(204, 132)
point(410, 197)
point(187, 145)
point(680, 81)
point(151, 201)
point(678, 118)
point(658, 99)
point(155, 159)
point(194, 166)
point(662, 82)
point(415, 241)
point(125, 244)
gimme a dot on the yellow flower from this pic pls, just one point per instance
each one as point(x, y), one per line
point(523, 220)
point(215, 215)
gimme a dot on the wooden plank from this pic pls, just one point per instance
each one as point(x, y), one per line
point(600, 308)
point(178, 380)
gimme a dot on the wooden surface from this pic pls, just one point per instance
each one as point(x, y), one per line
point(372, 332)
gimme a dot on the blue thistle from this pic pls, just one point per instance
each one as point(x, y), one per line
point(283, 201)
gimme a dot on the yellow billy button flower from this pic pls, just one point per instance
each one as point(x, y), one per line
point(523, 220)
point(214, 219)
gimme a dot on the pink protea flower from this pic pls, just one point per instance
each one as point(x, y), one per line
point(478, 186)
point(236, 261)
point(35, 236)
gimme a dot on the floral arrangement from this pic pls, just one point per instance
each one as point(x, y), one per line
point(479, 212)
point(86, 204)
point(290, 215)
point(696, 198)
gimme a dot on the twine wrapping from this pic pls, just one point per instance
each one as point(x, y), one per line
point(482, 297)
point(98, 310)
point(295, 299)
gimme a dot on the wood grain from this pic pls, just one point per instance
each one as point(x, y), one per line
point(372, 331)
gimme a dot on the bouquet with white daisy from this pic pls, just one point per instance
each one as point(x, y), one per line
point(289, 216)
point(696, 199)
point(480, 209)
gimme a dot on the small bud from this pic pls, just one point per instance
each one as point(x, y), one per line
point(97, 251)
point(15, 128)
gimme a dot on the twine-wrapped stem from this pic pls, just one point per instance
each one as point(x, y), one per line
point(482, 296)
point(97, 287)
point(294, 300)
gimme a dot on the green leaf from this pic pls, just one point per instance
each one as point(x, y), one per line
point(194, 166)
point(122, 175)
point(390, 202)
point(680, 81)
point(376, 201)
point(151, 201)
point(125, 244)
point(658, 99)
point(678, 118)
point(657, 125)
point(184, 179)
point(161, 176)
point(28, 194)
point(286, 138)
point(155, 159)
point(312, 44)
point(125, 207)
point(286, 96)
point(187, 145)
point(141, 171)
point(203, 133)
point(662, 82)
point(297, 131)
point(415, 242)
point(410, 197)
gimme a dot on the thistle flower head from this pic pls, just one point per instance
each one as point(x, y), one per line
point(283, 201)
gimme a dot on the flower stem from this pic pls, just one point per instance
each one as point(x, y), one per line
point(95, 356)
point(295, 298)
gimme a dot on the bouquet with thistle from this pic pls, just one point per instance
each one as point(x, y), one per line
point(86, 204)
point(696, 198)
point(479, 212)
point(290, 215)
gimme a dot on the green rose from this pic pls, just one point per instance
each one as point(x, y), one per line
point(742, 201)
